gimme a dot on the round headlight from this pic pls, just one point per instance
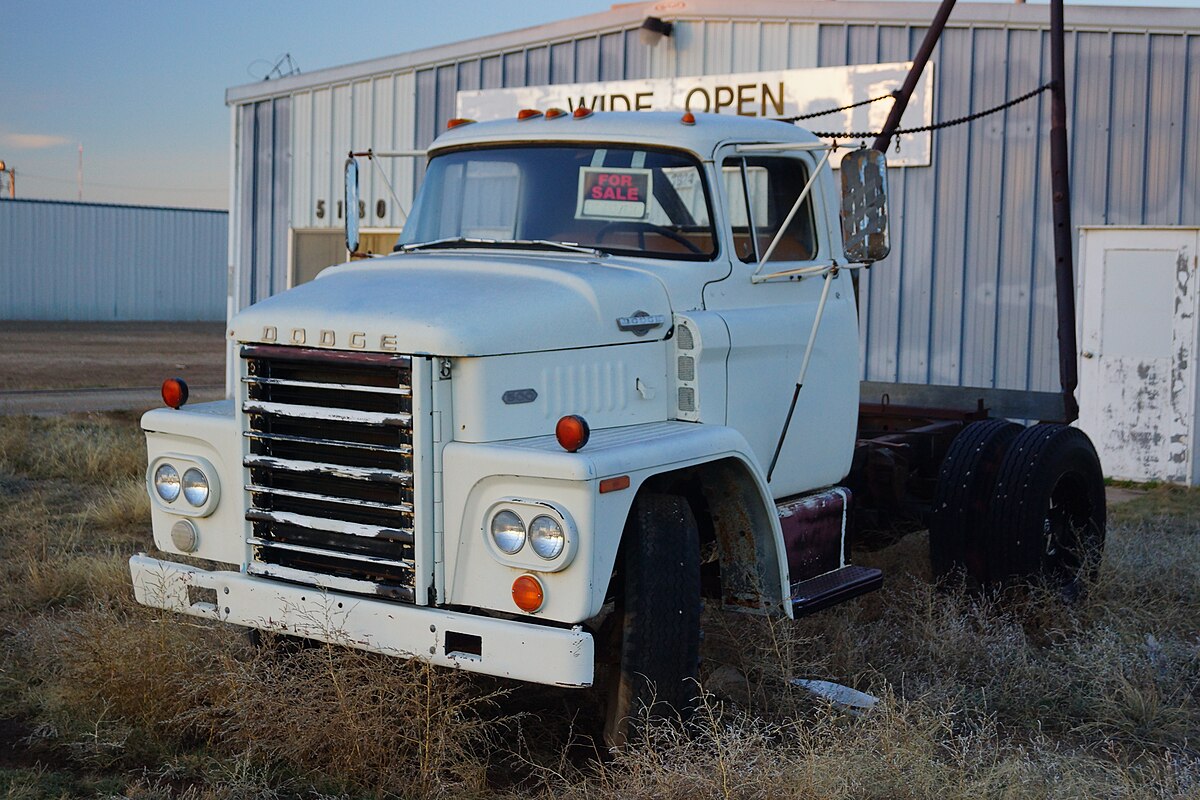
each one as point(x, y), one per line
point(166, 482)
point(546, 537)
point(508, 532)
point(195, 487)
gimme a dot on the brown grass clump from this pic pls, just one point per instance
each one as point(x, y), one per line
point(77, 449)
point(1012, 696)
point(129, 686)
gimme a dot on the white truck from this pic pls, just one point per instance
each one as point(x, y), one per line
point(610, 373)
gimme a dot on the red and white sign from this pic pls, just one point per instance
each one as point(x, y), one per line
point(614, 193)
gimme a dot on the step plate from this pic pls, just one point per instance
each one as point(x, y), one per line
point(833, 587)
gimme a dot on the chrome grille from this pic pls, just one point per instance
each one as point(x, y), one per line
point(330, 459)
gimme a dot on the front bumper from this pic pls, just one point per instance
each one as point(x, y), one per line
point(520, 650)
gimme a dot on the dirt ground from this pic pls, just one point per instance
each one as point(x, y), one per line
point(58, 367)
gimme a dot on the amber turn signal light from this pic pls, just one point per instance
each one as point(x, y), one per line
point(614, 484)
point(174, 392)
point(572, 432)
point(527, 593)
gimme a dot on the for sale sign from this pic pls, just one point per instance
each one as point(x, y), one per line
point(613, 193)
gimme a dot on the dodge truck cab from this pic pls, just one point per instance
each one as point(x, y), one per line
point(610, 373)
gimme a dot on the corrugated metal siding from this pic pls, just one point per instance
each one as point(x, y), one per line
point(967, 296)
point(88, 262)
point(264, 171)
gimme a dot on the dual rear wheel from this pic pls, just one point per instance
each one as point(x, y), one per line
point(1017, 503)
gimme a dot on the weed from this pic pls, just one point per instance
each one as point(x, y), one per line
point(1014, 695)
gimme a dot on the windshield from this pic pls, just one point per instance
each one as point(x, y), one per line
point(632, 201)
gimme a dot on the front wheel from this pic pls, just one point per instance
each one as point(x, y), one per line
point(658, 616)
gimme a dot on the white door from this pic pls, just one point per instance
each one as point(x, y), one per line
point(1137, 372)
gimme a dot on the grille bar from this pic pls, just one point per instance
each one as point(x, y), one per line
point(404, 535)
point(282, 437)
point(312, 467)
point(402, 390)
point(323, 498)
point(334, 582)
point(330, 414)
point(326, 357)
point(299, 548)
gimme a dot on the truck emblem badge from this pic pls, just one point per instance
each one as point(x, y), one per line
point(641, 322)
point(515, 397)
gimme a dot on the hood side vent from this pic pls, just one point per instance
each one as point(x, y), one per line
point(685, 372)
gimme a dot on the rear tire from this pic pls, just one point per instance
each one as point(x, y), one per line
point(658, 614)
point(1048, 517)
point(961, 502)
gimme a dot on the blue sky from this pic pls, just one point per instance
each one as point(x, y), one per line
point(141, 84)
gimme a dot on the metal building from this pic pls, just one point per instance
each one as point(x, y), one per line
point(967, 296)
point(99, 262)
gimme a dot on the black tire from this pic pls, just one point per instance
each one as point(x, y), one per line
point(963, 497)
point(658, 614)
point(1048, 517)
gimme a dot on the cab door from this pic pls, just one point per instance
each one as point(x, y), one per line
point(770, 316)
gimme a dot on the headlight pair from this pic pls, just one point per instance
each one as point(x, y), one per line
point(193, 484)
point(183, 485)
point(545, 534)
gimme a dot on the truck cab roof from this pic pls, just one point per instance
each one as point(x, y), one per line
point(654, 128)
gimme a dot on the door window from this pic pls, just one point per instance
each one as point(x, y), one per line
point(771, 185)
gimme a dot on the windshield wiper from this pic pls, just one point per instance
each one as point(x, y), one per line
point(464, 241)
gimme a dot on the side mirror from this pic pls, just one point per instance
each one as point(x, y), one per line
point(864, 206)
point(351, 205)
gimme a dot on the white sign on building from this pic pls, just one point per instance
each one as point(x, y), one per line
point(783, 93)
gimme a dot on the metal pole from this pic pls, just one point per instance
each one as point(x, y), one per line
point(910, 83)
point(1060, 186)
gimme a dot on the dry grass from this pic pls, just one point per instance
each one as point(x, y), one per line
point(1007, 697)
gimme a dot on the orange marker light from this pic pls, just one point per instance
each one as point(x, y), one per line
point(582, 112)
point(614, 484)
point(457, 121)
point(572, 432)
point(174, 392)
point(527, 593)
point(555, 113)
point(527, 113)
point(688, 118)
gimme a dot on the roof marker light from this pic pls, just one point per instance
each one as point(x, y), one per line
point(688, 118)
point(457, 121)
point(555, 113)
point(583, 112)
point(527, 113)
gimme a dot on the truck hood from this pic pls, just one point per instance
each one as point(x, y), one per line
point(463, 304)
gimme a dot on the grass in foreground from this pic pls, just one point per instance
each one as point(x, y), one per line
point(984, 697)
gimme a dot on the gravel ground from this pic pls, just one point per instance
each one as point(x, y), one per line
point(62, 367)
